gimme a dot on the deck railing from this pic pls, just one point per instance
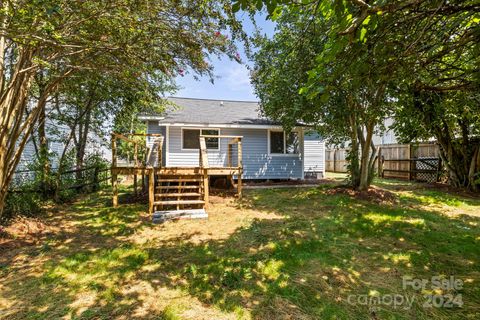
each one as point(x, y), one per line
point(234, 140)
point(138, 147)
point(151, 169)
point(131, 168)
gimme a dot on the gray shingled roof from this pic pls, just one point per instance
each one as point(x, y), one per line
point(203, 111)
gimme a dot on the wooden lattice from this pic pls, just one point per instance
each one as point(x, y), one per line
point(426, 169)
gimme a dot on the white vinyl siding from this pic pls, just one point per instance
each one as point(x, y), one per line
point(314, 153)
point(258, 163)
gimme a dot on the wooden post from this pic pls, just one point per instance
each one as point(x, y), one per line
point(114, 172)
point(135, 184)
point(334, 161)
point(240, 169)
point(114, 150)
point(410, 173)
point(379, 162)
point(115, 188)
point(151, 189)
point(144, 164)
point(159, 155)
point(229, 155)
point(203, 162)
point(135, 155)
point(206, 188)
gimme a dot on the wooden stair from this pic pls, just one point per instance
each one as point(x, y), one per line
point(173, 194)
point(179, 196)
point(177, 202)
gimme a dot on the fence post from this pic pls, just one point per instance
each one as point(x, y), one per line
point(379, 161)
point(334, 161)
point(96, 185)
point(409, 148)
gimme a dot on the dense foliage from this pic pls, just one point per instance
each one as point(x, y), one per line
point(45, 43)
point(416, 61)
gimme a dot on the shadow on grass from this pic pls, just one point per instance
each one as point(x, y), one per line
point(303, 265)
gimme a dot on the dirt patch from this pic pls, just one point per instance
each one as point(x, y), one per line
point(373, 194)
point(225, 217)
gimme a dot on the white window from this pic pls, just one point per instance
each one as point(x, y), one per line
point(284, 143)
point(191, 138)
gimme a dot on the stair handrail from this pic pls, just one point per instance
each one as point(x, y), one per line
point(203, 160)
point(160, 151)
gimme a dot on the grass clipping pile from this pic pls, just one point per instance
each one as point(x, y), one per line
point(23, 231)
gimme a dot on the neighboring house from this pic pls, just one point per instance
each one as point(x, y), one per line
point(268, 151)
point(55, 147)
point(95, 145)
point(385, 137)
point(388, 136)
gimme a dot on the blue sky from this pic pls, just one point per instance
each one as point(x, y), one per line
point(232, 80)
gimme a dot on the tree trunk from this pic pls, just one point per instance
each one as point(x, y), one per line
point(352, 157)
point(16, 128)
point(365, 163)
point(458, 145)
point(461, 160)
point(43, 152)
point(82, 140)
point(60, 164)
point(473, 175)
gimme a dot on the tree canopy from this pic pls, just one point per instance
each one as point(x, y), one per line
point(413, 60)
point(124, 39)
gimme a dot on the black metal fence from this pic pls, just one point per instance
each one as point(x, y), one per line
point(25, 181)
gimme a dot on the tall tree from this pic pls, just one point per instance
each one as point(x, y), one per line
point(61, 37)
point(423, 55)
point(301, 74)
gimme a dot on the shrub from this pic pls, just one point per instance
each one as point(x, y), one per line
point(21, 203)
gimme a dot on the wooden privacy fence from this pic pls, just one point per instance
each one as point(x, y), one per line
point(419, 162)
point(335, 160)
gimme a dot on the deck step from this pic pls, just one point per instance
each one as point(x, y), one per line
point(179, 194)
point(180, 180)
point(169, 202)
point(180, 175)
point(162, 216)
point(176, 187)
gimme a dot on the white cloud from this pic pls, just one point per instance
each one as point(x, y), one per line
point(238, 78)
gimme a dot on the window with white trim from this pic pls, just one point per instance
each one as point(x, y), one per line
point(190, 138)
point(284, 143)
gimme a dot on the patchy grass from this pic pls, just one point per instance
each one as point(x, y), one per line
point(278, 254)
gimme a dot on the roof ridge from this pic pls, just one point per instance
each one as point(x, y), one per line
point(205, 99)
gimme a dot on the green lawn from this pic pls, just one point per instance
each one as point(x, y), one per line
point(303, 253)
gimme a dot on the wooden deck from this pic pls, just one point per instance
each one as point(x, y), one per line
point(183, 188)
point(143, 170)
